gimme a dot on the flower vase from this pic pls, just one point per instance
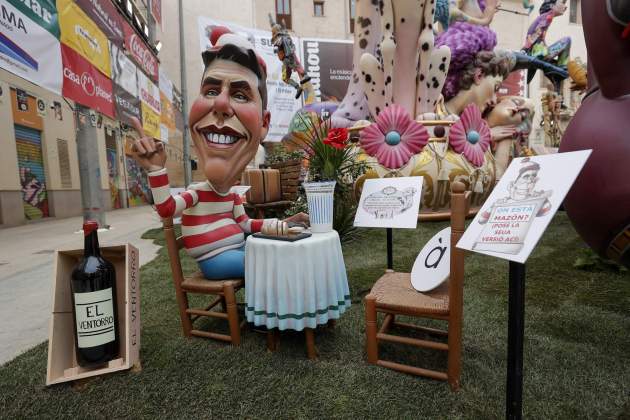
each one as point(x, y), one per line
point(319, 196)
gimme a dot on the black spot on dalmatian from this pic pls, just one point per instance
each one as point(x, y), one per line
point(383, 92)
point(355, 103)
point(367, 32)
point(347, 114)
point(422, 77)
point(425, 46)
point(402, 20)
point(436, 84)
point(443, 59)
point(442, 67)
point(365, 22)
point(360, 108)
point(363, 43)
point(373, 83)
point(372, 89)
point(388, 80)
point(378, 110)
point(387, 26)
point(430, 66)
point(428, 85)
point(430, 26)
point(368, 78)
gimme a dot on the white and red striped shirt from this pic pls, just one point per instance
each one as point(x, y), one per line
point(212, 222)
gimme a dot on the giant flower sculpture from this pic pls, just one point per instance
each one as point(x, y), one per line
point(470, 135)
point(394, 138)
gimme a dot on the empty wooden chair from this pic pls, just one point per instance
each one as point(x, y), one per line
point(393, 294)
point(224, 290)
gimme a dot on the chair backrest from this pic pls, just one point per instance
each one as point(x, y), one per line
point(173, 245)
point(460, 203)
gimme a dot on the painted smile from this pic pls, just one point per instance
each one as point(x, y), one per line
point(223, 137)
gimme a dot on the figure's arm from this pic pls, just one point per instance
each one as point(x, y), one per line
point(248, 225)
point(165, 204)
point(457, 13)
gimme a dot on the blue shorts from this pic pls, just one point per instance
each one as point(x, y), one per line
point(229, 264)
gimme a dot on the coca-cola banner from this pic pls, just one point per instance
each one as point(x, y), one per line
point(105, 15)
point(140, 52)
point(84, 84)
point(84, 36)
point(124, 72)
point(126, 105)
point(149, 93)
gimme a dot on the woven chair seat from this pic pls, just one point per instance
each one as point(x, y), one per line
point(198, 283)
point(394, 292)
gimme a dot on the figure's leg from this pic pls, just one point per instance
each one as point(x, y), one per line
point(560, 50)
point(229, 264)
point(300, 70)
point(286, 75)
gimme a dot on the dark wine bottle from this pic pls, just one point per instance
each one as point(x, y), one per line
point(94, 301)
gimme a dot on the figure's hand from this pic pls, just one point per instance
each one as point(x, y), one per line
point(503, 133)
point(275, 227)
point(299, 218)
point(149, 153)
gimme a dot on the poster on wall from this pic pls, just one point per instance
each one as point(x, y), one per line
point(281, 97)
point(105, 15)
point(41, 107)
point(149, 93)
point(519, 209)
point(124, 71)
point(83, 36)
point(140, 52)
point(126, 105)
point(150, 121)
point(156, 11)
point(84, 84)
point(329, 64)
point(29, 42)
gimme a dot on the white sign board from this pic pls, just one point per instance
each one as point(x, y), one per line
point(433, 264)
point(281, 100)
point(390, 203)
point(518, 211)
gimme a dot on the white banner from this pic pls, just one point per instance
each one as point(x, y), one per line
point(166, 86)
point(28, 49)
point(281, 100)
point(149, 92)
point(124, 71)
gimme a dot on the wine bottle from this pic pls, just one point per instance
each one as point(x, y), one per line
point(94, 301)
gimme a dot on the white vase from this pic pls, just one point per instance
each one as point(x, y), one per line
point(320, 205)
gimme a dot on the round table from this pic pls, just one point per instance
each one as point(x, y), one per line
point(295, 285)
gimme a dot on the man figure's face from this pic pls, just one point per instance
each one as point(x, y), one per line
point(523, 187)
point(227, 122)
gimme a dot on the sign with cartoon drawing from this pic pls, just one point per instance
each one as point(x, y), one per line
point(390, 202)
point(516, 214)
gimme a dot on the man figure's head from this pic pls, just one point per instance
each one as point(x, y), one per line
point(557, 6)
point(523, 187)
point(229, 119)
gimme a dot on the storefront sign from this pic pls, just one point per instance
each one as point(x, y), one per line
point(29, 42)
point(149, 93)
point(124, 71)
point(84, 36)
point(83, 83)
point(151, 122)
point(140, 52)
point(329, 64)
point(105, 15)
point(126, 105)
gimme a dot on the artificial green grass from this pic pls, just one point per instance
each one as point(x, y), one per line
point(577, 351)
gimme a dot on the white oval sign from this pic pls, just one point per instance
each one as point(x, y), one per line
point(432, 266)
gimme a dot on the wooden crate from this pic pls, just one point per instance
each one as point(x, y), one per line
point(289, 177)
point(62, 360)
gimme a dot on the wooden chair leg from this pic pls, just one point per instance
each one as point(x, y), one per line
point(311, 351)
point(230, 301)
point(332, 323)
point(454, 368)
point(272, 339)
point(371, 329)
point(182, 303)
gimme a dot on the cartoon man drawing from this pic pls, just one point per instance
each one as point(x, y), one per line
point(227, 121)
point(509, 219)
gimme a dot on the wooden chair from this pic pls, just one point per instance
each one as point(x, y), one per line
point(393, 295)
point(224, 290)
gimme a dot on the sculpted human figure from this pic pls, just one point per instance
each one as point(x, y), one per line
point(285, 49)
point(535, 44)
point(228, 120)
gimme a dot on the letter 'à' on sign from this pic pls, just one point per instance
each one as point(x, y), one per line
point(432, 266)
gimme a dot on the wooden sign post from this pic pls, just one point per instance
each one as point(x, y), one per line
point(516, 337)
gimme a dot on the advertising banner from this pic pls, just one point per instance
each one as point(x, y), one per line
point(84, 84)
point(126, 105)
point(151, 122)
point(84, 36)
point(167, 117)
point(329, 64)
point(140, 52)
point(29, 42)
point(149, 93)
point(281, 97)
point(124, 72)
point(166, 85)
point(156, 11)
point(105, 15)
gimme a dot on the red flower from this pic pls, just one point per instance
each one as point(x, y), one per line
point(337, 138)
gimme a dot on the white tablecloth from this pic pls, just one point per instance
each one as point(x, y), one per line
point(295, 285)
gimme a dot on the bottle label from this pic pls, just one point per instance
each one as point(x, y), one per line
point(94, 313)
